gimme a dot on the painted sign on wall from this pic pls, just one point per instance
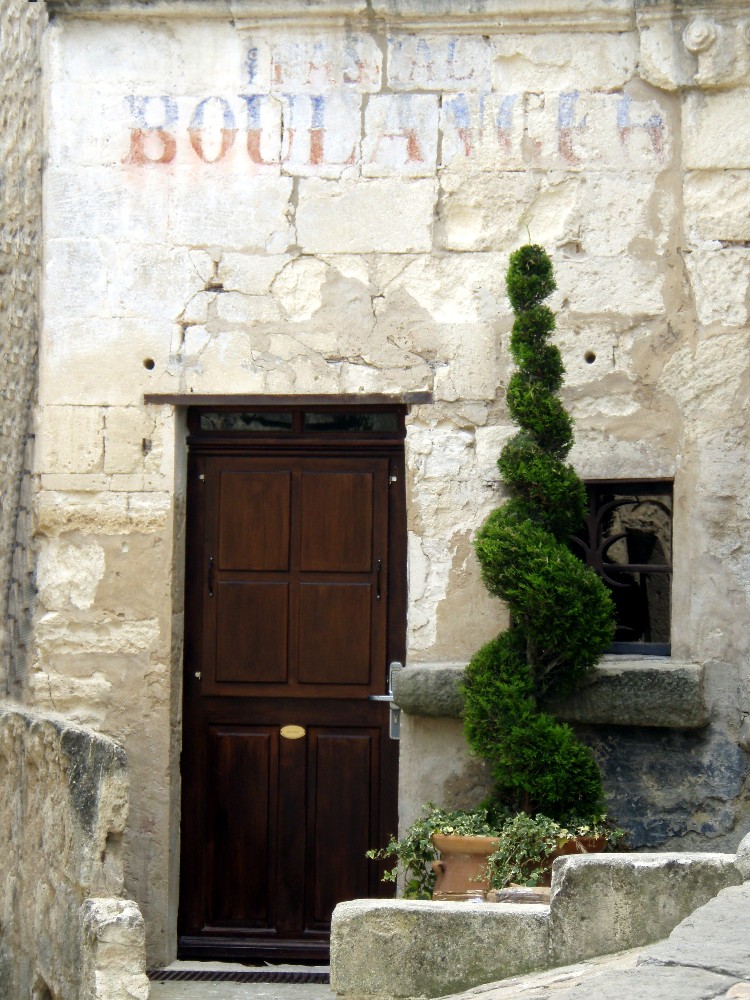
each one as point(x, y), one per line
point(394, 134)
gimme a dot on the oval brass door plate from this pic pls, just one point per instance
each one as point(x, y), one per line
point(292, 732)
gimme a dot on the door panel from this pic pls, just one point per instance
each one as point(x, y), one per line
point(254, 520)
point(240, 825)
point(288, 620)
point(258, 651)
point(335, 633)
point(337, 522)
point(340, 819)
point(337, 598)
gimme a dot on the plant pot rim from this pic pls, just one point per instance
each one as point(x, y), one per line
point(462, 843)
point(581, 844)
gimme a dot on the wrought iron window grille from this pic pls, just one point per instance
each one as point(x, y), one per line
point(627, 540)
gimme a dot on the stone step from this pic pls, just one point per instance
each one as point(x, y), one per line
point(599, 904)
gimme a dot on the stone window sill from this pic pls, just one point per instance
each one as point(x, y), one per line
point(624, 691)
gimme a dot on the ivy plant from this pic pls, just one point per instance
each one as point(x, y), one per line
point(414, 852)
point(522, 855)
point(525, 844)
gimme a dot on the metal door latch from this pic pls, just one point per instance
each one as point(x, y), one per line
point(395, 711)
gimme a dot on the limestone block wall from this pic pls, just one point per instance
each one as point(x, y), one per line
point(290, 198)
point(21, 27)
point(63, 808)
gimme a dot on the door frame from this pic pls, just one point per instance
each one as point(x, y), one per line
point(312, 442)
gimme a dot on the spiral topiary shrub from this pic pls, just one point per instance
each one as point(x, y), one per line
point(562, 616)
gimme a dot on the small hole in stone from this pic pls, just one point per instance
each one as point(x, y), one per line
point(149, 363)
point(589, 357)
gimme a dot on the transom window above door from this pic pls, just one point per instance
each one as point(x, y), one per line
point(320, 420)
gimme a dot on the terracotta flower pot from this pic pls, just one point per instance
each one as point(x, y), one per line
point(574, 845)
point(461, 870)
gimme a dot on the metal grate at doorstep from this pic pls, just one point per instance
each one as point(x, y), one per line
point(235, 976)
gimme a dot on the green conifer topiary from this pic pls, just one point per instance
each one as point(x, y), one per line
point(562, 616)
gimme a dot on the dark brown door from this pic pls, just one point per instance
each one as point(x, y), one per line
point(289, 773)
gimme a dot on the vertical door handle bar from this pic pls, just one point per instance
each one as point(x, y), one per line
point(377, 584)
point(210, 576)
point(395, 711)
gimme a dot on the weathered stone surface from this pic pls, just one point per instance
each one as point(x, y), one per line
point(21, 144)
point(717, 133)
point(708, 214)
point(63, 810)
point(400, 948)
point(69, 574)
point(714, 937)
point(430, 689)
point(644, 983)
point(635, 290)
point(597, 902)
point(640, 691)
point(706, 48)
point(703, 957)
point(488, 13)
point(637, 691)
point(611, 976)
point(401, 134)
point(114, 955)
point(438, 62)
point(743, 856)
point(601, 59)
point(671, 786)
point(458, 780)
point(720, 282)
point(321, 138)
point(371, 217)
point(105, 513)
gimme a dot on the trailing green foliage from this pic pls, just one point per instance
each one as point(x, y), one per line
point(525, 844)
point(562, 616)
point(414, 852)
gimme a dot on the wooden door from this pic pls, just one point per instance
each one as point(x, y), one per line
point(289, 773)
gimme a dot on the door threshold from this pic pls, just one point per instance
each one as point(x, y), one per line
point(234, 972)
point(221, 949)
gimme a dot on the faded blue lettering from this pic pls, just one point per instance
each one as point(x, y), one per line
point(140, 108)
point(251, 64)
point(199, 114)
point(505, 112)
point(566, 110)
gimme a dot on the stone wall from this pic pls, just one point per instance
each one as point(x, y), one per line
point(63, 808)
point(321, 198)
point(21, 26)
